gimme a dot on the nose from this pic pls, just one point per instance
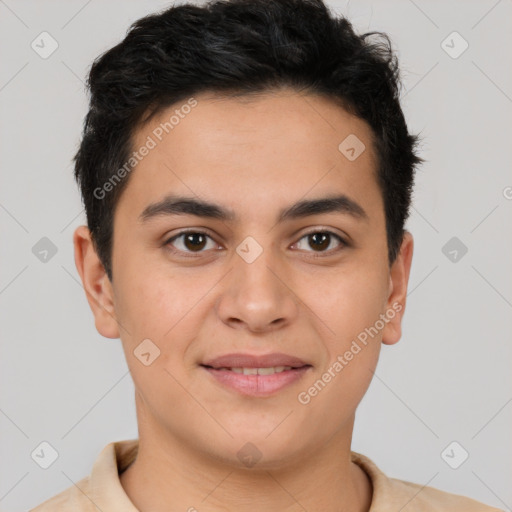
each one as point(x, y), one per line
point(257, 296)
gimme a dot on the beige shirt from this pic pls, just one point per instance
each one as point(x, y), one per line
point(102, 490)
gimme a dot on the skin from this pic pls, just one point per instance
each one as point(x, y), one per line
point(255, 157)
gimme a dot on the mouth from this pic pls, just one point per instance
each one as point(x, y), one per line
point(257, 376)
point(255, 371)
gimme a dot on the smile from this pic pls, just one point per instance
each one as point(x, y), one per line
point(258, 371)
point(256, 382)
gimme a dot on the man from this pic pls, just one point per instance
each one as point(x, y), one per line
point(247, 173)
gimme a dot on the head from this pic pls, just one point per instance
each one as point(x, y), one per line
point(272, 133)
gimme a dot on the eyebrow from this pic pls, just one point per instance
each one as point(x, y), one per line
point(183, 205)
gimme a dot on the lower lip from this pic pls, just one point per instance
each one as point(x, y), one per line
point(257, 385)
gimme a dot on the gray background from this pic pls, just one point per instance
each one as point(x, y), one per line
point(448, 379)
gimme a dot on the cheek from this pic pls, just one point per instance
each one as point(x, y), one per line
point(351, 308)
point(156, 313)
point(166, 310)
point(351, 302)
point(150, 303)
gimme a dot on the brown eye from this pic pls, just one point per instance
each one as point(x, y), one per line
point(320, 241)
point(190, 242)
point(194, 241)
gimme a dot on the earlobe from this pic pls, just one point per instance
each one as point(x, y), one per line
point(399, 279)
point(96, 284)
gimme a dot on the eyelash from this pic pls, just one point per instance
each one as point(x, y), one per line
point(316, 254)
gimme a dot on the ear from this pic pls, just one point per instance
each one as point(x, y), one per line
point(398, 280)
point(96, 283)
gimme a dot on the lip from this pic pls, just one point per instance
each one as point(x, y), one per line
point(256, 385)
point(240, 360)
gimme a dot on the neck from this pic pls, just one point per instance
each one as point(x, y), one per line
point(167, 474)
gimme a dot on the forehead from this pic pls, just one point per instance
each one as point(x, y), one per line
point(250, 153)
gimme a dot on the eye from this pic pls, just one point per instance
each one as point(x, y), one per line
point(190, 242)
point(320, 241)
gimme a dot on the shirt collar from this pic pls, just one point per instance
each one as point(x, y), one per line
point(106, 491)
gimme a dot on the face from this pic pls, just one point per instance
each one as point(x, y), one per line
point(253, 267)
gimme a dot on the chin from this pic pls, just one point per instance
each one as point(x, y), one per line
point(257, 450)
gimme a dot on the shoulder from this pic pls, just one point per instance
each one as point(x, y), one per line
point(101, 489)
point(73, 498)
point(394, 494)
point(426, 498)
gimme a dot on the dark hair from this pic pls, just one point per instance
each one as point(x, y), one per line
point(240, 47)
